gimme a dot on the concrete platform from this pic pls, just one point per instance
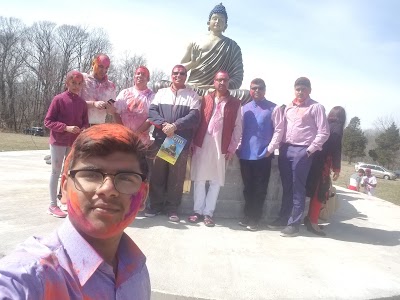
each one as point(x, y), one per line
point(359, 258)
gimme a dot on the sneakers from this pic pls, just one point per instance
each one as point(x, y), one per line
point(151, 212)
point(290, 231)
point(252, 226)
point(244, 222)
point(64, 207)
point(173, 217)
point(55, 211)
point(277, 224)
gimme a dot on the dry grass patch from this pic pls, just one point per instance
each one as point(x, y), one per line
point(19, 141)
point(386, 189)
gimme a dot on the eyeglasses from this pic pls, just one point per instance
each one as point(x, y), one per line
point(221, 79)
point(260, 88)
point(179, 73)
point(92, 180)
point(301, 89)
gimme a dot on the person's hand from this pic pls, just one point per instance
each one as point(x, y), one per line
point(335, 176)
point(73, 129)
point(100, 104)
point(229, 156)
point(110, 108)
point(169, 129)
point(196, 54)
point(268, 154)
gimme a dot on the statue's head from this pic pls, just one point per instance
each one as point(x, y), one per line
point(100, 65)
point(218, 18)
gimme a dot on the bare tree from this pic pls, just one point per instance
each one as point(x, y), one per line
point(157, 75)
point(97, 42)
point(381, 124)
point(123, 71)
point(42, 60)
point(69, 39)
point(11, 67)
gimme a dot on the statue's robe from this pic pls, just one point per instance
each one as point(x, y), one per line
point(225, 55)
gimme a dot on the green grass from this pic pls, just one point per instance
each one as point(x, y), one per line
point(386, 189)
point(19, 141)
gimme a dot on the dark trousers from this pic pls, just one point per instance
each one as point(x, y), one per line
point(294, 165)
point(255, 176)
point(166, 184)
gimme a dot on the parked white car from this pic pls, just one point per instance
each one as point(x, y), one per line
point(376, 170)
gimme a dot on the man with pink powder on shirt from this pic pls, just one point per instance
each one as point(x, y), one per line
point(98, 90)
point(307, 130)
point(132, 105)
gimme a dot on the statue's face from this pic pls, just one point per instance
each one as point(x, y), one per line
point(221, 82)
point(217, 23)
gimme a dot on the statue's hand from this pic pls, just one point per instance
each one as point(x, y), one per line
point(196, 55)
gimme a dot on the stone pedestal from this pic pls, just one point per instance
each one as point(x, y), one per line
point(230, 201)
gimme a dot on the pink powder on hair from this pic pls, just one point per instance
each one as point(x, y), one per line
point(104, 60)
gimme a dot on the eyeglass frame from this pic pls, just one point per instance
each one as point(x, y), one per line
point(257, 87)
point(179, 73)
point(72, 174)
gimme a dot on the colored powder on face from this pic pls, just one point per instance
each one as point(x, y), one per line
point(143, 70)
point(136, 201)
point(76, 214)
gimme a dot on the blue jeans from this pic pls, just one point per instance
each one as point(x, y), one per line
point(294, 165)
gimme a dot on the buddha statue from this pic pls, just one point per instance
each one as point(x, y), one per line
point(212, 53)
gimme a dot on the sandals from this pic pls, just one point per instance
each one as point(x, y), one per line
point(195, 218)
point(208, 221)
point(173, 217)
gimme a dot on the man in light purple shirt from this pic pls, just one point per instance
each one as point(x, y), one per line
point(89, 256)
point(306, 131)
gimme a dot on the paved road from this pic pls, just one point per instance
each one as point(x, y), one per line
point(359, 259)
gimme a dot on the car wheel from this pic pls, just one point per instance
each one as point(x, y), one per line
point(386, 177)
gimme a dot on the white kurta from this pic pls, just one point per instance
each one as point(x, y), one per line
point(208, 162)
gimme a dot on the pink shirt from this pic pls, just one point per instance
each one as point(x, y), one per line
point(133, 107)
point(95, 90)
point(306, 125)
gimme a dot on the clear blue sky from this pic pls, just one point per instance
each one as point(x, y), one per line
point(350, 50)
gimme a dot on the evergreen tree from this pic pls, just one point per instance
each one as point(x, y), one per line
point(354, 140)
point(388, 145)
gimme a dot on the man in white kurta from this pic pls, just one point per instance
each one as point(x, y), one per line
point(215, 143)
